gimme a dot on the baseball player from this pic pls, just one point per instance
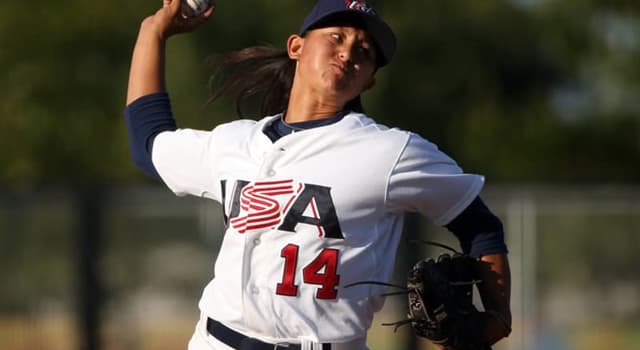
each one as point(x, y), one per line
point(313, 192)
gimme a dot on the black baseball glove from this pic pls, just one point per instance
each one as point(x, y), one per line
point(441, 306)
point(440, 301)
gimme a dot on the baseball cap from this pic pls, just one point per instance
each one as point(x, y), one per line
point(357, 12)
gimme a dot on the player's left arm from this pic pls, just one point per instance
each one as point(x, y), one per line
point(495, 292)
point(481, 235)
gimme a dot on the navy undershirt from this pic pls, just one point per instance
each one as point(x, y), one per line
point(278, 128)
point(479, 231)
point(146, 117)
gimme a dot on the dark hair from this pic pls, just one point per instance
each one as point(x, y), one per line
point(250, 71)
point(258, 70)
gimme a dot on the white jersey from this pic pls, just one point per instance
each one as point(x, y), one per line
point(308, 214)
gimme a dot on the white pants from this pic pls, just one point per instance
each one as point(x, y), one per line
point(202, 340)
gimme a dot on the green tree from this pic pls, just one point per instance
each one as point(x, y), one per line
point(535, 91)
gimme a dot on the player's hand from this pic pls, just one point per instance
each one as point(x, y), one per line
point(146, 74)
point(169, 20)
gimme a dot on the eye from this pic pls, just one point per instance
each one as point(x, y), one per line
point(364, 50)
point(336, 36)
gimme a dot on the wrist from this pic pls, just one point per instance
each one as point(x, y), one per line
point(151, 30)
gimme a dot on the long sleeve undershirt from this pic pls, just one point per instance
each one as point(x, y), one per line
point(146, 117)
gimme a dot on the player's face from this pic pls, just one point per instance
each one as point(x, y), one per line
point(337, 61)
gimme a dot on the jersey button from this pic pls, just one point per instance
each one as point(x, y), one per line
point(255, 290)
point(256, 241)
point(271, 173)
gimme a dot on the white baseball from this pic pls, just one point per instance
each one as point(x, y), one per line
point(193, 8)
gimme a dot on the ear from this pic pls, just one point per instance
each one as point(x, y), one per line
point(295, 43)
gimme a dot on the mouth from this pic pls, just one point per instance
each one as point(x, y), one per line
point(342, 68)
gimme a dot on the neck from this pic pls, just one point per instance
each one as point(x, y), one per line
point(306, 106)
point(298, 112)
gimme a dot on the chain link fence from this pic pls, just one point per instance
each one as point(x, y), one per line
point(123, 268)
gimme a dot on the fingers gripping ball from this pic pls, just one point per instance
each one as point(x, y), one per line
point(194, 8)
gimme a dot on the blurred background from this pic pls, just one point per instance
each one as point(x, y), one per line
point(541, 96)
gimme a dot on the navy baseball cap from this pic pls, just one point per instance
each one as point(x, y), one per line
point(357, 12)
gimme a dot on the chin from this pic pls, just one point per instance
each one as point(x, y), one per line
point(340, 88)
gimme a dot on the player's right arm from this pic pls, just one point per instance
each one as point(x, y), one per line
point(148, 111)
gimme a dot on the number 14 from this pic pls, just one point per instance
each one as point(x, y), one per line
point(313, 273)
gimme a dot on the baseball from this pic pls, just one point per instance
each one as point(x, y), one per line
point(193, 8)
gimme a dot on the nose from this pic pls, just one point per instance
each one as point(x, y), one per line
point(348, 52)
point(345, 54)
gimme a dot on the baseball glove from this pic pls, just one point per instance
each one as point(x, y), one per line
point(440, 301)
point(441, 309)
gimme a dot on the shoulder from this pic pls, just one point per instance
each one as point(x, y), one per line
point(413, 144)
point(361, 124)
point(235, 130)
point(240, 126)
point(421, 148)
point(239, 130)
point(361, 120)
